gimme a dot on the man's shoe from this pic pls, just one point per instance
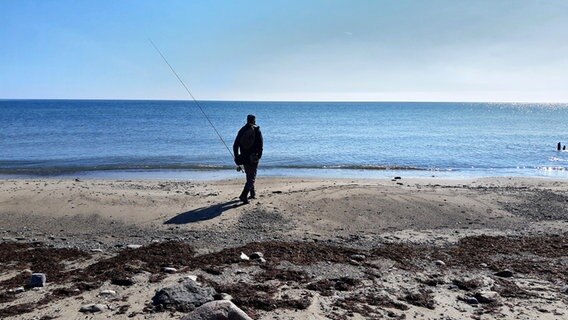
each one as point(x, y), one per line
point(243, 196)
point(252, 194)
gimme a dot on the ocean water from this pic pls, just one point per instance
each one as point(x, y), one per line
point(172, 139)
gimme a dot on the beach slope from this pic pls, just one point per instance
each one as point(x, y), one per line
point(332, 248)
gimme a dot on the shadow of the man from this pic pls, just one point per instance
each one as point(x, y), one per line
point(204, 213)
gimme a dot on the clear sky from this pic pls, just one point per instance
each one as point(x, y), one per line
point(381, 50)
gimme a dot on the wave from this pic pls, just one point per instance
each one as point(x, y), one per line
point(56, 168)
point(14, 168)
point(59, 170)
point(355, 167)
point(549, 168)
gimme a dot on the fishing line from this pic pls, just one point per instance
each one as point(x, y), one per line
point(194, 100)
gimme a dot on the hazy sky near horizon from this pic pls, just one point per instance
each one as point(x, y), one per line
point(436, 50)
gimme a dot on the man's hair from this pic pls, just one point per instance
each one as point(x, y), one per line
point(251, 118)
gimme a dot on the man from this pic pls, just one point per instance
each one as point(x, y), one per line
point(247, 149)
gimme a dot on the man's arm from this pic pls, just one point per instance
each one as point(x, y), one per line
point(236, 144)
point(260, 144)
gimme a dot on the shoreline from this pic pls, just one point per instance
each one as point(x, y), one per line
point(323, 174)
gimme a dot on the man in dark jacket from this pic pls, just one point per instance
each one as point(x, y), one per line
point(247, 149)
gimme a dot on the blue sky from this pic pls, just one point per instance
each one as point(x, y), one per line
point(353, 50)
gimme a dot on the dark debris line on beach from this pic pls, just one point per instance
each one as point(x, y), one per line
point(539, 256)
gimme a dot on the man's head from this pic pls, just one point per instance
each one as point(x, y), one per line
point(251, 119)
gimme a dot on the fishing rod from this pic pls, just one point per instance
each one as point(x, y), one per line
point(195, 101)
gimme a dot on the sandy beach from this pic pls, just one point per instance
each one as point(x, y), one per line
point(333, 248)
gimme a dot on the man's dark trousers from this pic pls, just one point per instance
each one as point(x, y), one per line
point(250, 170)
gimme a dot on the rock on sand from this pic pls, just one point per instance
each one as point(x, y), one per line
point(221, 309)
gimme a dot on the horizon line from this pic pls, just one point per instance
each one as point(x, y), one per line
point(284, 101)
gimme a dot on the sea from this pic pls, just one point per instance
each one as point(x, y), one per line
point(127, 139)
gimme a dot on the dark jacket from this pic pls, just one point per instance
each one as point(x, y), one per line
point(256, 148)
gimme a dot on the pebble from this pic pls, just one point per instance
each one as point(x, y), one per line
point(440, 263)
point(256, 255)
point(122, 282)
point(169, 270)
point(217, 310)
point(37, 280)
point(17, 290)
point(487, 296)
point(557, 312)
point(244, 256)
point(192, 277)
point(504, 274)
point(93, 308)
point(108, 293)
point(97, 250)
point(262, 260)
point(223, 296)
point(483, 265)
point(358, 257)
point(134, 246)
point(471, 300)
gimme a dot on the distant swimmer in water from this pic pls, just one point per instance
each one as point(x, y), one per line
point(559, 146)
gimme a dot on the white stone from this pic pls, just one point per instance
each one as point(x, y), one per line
point(440, 263)
point(134, 246)
point(244, 256)
point(192, 277)
point(169, 270)
point(108, 293)
point(17, 290)
point(97, 250)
